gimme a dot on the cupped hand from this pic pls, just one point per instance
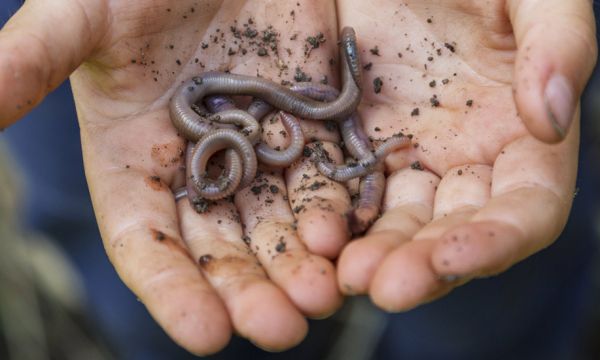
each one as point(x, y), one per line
point(471, 81)
point(257, 265)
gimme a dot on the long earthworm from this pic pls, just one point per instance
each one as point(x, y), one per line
point(372, 184)
point(186, 120)
point(354, 140)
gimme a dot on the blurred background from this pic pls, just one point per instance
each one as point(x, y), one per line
point(61, 299)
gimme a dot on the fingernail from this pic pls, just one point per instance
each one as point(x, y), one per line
point(560, 103)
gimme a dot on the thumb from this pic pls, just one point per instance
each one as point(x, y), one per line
point(556, 53)
point(39, 48)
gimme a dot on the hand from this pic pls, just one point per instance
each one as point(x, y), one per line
point(467, 80)
point(193, 272)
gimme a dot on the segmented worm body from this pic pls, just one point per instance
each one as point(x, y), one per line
point(196, 124)
point(369, 163)
point(203, 112)
point(282, 158)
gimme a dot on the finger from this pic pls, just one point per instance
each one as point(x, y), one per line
point(556, 54)
point(309, 280)
point(135, 208)
point(319, 204)
point(40, 46)
point(406, 278)
point(137, 218)
point(532, 194)
point(408, 205)
point(259, 310)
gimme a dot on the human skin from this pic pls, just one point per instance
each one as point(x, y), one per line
point(489, 194)
point(193, 272)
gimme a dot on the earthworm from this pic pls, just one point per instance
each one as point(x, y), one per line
point(235, 175)
point(355, 140)
point(372, 183)
point(280, 97)
point(368, 207)
point(282, 158)
point(257, 110)
point(180, 193)
point(193, 121)
point(188, 191)
point(226, 114)
point(218, 103)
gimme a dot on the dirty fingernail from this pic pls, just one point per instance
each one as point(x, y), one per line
point(560, 103)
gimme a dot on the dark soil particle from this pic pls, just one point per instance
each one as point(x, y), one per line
point(246, 239)
point(307, 152)
point(417, 166)
point(377, 85)
point(469, 103)
point(432, 83)
point(375, 51)
point(257, 190)
point(459, 172)
point(250, 32)
point(273, 189)
point(262, 52)
point(451, 47)
point(298, 208)
point(435, 102)
point(368, 66)
point(160, 236)
point(315, 41)
point(414, 112)
point(280, 247)
point(316, 185)
point(301, 76)
point(200, 205)
point(445, 81)
point(204, 260)
point(331, 125)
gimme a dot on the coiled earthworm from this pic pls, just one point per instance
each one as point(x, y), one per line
point(258, 109)
point(235, 175)
point(194, 122)
point(282, 158)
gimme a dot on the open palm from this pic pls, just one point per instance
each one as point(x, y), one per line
point(481, 193)
point(476, 192)
point(256, 276)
